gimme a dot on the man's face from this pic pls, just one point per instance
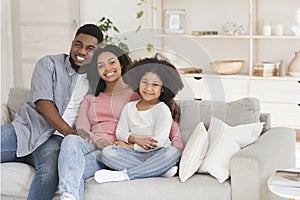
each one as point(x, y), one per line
point(82, 48)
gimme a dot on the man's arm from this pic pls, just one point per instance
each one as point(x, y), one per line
point(48, 110)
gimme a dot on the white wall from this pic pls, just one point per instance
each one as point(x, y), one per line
point(122, 13)
point(26, 47)
point(6, 50)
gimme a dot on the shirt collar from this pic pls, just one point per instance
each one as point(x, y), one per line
point(70, 69)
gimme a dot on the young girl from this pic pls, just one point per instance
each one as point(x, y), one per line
point(144, 125)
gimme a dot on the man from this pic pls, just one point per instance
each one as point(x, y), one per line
point(35, 135)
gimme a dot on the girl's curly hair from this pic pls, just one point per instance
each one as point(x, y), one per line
point(171, 81)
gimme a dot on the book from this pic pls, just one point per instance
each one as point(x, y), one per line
point(189, 70)
point(287, 178)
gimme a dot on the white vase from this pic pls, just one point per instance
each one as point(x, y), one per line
point(294, 66)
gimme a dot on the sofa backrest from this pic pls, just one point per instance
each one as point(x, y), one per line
point(16, 98)
point(242, 111)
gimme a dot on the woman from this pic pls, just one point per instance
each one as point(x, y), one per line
point(96, 123)
point(142, 122)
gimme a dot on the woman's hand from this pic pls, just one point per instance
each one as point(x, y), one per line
point(101, 143)
point(85, 135)
point(123, 144)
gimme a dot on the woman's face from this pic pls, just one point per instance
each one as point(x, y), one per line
point(150, 87)
point(109, 67)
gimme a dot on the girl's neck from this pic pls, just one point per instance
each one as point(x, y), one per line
point(115, 88)
point(146, 105)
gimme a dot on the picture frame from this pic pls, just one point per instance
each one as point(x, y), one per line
point(174, 21)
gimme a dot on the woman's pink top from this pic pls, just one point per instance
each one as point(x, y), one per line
point(99, 116)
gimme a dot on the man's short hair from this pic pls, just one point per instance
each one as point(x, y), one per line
point(92, 30)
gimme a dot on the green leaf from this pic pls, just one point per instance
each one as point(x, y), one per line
point(138, 28)
point(102, 19)
point(116, 29)
point(150, 47)
point(139, 14)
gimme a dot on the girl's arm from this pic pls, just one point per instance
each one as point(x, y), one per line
point(163, 121)
point(122, 131)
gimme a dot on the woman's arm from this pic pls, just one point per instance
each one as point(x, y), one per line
point(83, 122)
point(175, 136)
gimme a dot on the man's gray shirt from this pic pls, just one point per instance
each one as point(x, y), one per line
point(53, 79)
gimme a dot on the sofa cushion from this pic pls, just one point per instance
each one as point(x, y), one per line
point(225, 141)
point(198, 187)
point(16, 179)
point(16, 98)
point(242, 111)
point(194, 152)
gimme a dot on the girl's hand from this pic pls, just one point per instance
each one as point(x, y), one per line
point(146, 142)
point(85, 135)
point(123, 144)
point(101, 143)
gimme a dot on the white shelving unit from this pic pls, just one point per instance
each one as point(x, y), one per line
point(279, 96)
point(252, 46)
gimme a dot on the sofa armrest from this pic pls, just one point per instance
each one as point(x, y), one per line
point(251, 167)
point(5, 115)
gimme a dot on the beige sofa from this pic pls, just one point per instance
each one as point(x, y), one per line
point(250, 168)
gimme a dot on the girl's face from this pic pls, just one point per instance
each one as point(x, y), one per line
point(150, 87)
point(109, 67)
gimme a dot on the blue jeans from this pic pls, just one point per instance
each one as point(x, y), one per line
point(43, 159)
point(78, 160)
point(140, 164)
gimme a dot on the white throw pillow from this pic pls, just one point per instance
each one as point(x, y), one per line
point(194, 152)
point(224, 142)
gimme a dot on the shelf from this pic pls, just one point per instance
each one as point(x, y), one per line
point(278, 95)
point(206, 36)
point(276, 37)
point(229, 36)
point(243, 76)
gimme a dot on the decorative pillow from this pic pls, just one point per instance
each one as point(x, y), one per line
point(16, 98)
point(225, 141)
point(194, 152)
point(5, 116)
